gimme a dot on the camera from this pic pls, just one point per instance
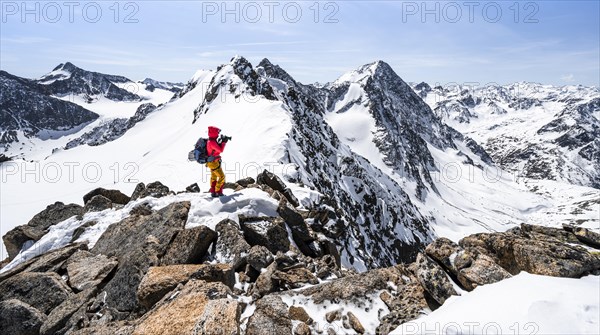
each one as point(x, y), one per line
point(224, 138)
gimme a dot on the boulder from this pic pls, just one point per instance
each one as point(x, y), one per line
point(335, 315)
point(41, 290)
point(259, 257)
point(481, 271)
point(179, 312)
point(81, 229)
point(444, 251)
point(516, 253)
point(352, 288)
point(38, 226)
point(19, 318)
point(142, 209)
point(408, 304)
point(87, 270)
point(231, 247)
point(355, 323)
point(274, 182)
point(264, 283)
point(221, 316)
point(271, 315)
point(294, 278)
point(299, 313)
point(160, 280)
point(194, 188)
point(189, 246)
point(116, 328)
point(433, 279)
point(588, 237)
point(155, 189)
point(97, 203)
point(470, 267)
point(52, 261)
point(245, 182)
point(115, 196)
point(302, 329)
point(58, 319)
point(541, 232)
point(265, 231)
point(300, 231)
point(138, 242)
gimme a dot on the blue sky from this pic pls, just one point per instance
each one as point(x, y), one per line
point(552, 42)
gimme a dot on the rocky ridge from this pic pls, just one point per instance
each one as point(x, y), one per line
point(149, 274)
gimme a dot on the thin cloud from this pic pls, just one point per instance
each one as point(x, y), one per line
point(569, 78)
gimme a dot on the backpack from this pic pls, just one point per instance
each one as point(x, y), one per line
point(200, 154)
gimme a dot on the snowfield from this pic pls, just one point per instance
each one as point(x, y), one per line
point(523, 304)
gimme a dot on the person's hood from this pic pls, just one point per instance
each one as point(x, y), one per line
point(213, 132)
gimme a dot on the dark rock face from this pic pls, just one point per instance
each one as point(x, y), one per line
point(155, 189)
point(433, 279)
point(231, 245)
point(300, 231)
point(58, 319)
point(115, 196)
point(159, 280)
point(38, 226)
point(50, 261)
point(26, 106)
point(253, 84)
point(180, 312)
point(271, 317)
point(42, 290)
point(138, 242)
point(259, 257)
point(273, 181)
point(268, 232)
point(366, 219)
point(112, 130)
point(516, 253)
point(86, 270)
point(68, 79)
point(189, 246)
point(98, 203)
point(19, 318)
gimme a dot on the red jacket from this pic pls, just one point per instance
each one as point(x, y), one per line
point(213, 148)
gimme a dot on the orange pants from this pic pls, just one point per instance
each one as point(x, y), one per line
point(217, 177)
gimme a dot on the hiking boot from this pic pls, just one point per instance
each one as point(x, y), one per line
point(215, 195)
point(220, 194)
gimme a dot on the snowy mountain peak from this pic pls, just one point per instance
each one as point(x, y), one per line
point(68, 66)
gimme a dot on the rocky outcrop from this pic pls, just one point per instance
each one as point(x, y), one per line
point(434, 279)
point(38, 226)
point(272, 315)
point(42, 290)
point(160, 280)
point(231, 247)
point(268, 232)
point(155, 189)
point(115, 196)
point(189, 246)
point(98, 203)
point(180, 312)
point(274, 182)
point(86, 270)
point(517, 253)
point(138, 242)
point(149, 274)
point(19, 318)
